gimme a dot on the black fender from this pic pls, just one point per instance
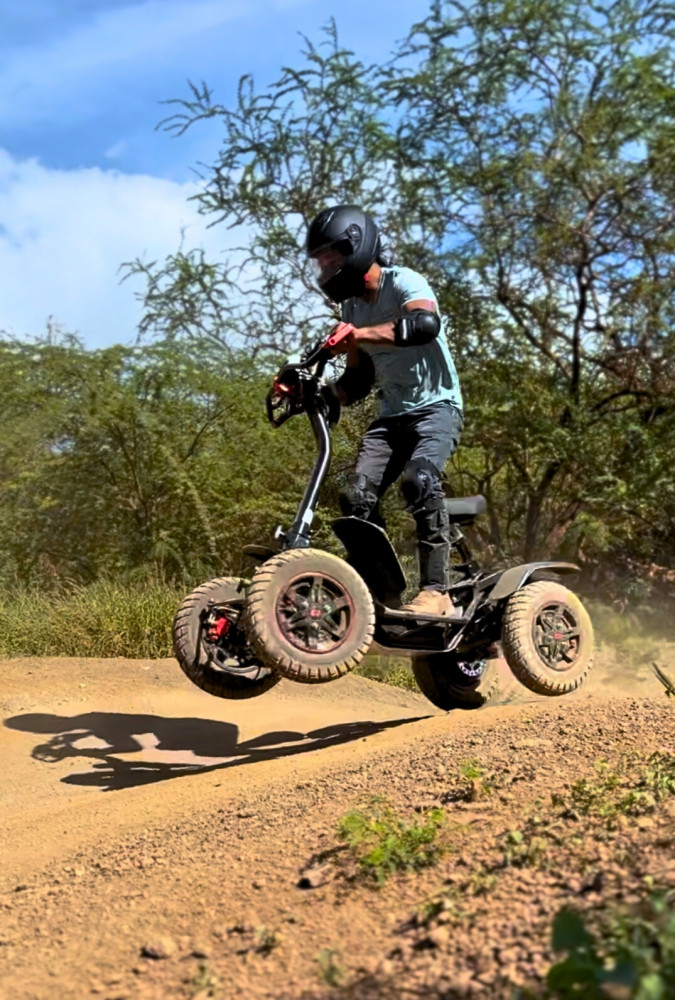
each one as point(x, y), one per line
point(372, 555)
point(499, 586)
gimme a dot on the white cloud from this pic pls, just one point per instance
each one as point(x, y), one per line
point(64, 234)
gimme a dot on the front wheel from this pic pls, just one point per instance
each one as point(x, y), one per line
point(309, 615)
point(211, 647)
point(547, 637)
point(451, 682)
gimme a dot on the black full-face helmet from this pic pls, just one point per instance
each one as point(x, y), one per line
point(342, 242)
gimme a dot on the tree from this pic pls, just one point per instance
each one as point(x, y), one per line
point(520, 155)
point(535, 144)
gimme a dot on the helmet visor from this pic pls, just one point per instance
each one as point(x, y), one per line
point(326, 262)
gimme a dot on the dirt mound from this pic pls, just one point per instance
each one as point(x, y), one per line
point(119, 881)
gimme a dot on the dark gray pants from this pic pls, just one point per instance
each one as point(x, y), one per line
point(414, 446)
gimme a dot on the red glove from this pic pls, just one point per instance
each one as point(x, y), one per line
point(338, 342)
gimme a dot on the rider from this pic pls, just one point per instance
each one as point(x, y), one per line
point(394, 344)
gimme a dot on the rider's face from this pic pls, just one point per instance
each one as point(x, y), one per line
point(326, 263)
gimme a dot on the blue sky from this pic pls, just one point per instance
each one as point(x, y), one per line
point(86, 182)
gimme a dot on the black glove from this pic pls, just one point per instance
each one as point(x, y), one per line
point(331, 403)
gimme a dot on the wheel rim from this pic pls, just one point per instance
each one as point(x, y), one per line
point(557, 636)
point(315, 613)
point(472, 668)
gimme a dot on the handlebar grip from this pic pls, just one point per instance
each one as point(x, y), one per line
point(341, 332)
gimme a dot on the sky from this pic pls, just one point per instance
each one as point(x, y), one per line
point(87, 182)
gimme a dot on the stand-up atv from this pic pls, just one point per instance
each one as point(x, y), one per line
point(311, 616)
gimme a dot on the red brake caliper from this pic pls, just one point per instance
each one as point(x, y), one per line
point(218, 629)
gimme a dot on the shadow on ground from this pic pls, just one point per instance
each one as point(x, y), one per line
point(187, 746)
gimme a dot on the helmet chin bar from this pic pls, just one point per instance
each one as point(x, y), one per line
point(347, 283)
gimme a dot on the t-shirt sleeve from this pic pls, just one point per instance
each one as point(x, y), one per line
point(412, 286)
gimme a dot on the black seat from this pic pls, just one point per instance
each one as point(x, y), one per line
point(463, 510)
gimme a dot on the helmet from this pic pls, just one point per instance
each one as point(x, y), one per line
point(342, 242)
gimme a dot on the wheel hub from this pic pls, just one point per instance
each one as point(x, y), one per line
point(315, 613)
point(556, 634)
point(472, 668)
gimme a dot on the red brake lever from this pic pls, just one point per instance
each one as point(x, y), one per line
point(341, 332)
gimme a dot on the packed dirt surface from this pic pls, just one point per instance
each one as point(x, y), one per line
point(157, 842)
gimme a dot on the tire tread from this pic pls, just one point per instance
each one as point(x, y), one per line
point(516, 626)
point(265, 644)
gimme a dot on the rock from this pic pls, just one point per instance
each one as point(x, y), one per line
point(160, 947)
point(315, 876)
point(439, 936)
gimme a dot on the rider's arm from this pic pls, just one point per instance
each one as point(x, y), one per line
point(420, 328)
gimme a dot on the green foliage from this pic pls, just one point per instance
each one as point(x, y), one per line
point(526, 848)
point(383, 842)
point(392, 670)
point(331, 969)
point(205, 982)
point(633, 788)
point(518, 155)
point(266, 939)
point(636, 951)
point(102, 620)
point(132, 463)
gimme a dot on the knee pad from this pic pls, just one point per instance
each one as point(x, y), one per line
point(358, 498)
point(421, 486)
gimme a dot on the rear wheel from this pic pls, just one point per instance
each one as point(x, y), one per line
point(211, 647)
point(547, 638)
point(309, 615)
point(451, 682)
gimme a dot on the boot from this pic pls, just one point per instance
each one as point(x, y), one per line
point(430, 602)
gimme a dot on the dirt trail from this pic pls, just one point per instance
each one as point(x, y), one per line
point(105, 853)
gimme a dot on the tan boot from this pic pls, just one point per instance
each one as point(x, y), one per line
point(430, 602)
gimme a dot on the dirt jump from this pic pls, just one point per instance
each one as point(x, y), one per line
point(159, 842)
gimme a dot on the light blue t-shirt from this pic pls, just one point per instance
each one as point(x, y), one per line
point(405, 377)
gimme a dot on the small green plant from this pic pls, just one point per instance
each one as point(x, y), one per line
point(447, 903)
point(631, 789)
point(477, 779)
point(401, 677)
point(471, 769)
point(481, 882)
point(382, 842)
point(635, 954)
point(205, 980)
point(529, 846)
point(266, 940)
point(524, 849)
point(394, 671)
point(331, 970)
point(659, 775)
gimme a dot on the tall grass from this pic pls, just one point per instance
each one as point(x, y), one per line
point(104, 619)
point(133, 620)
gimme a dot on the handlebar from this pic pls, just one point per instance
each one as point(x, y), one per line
point(296, 387)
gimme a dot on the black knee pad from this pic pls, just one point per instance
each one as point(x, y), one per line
point(421, 486)
point(358, 498)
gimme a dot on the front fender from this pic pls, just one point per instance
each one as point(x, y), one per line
point(513, 579)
